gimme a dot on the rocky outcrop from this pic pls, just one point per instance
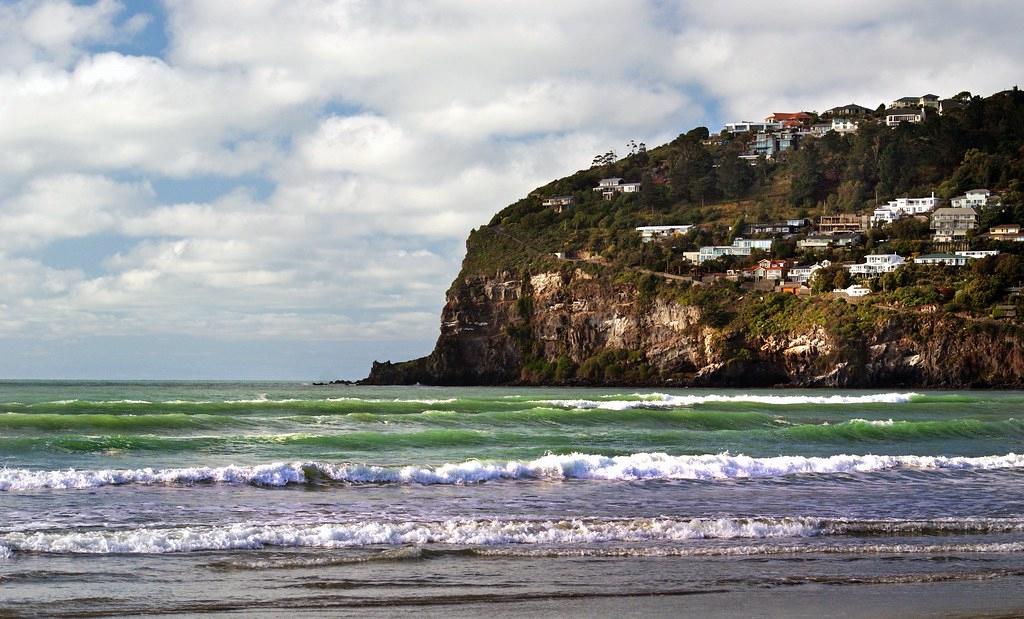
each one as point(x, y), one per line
point(560, 327)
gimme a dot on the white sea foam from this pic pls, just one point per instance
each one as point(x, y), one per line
point(663, 400)
point(457, 532)
point(568, 537)
point(639, 466)
point(874, 422)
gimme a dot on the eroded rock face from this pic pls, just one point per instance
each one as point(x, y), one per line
point(492, 326)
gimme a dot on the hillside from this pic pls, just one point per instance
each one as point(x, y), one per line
point(570, 294)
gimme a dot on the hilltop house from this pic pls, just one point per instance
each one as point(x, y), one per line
point(850, 109)
point(843, 222)
point(951, 260)
point(610, 186)
point(744, 126)
point(924, 101)
point(897, 209)
point(790, 119)
point(977, 254)
point(803, 274)
point(856, 290)
point(1006, 232)
point(559, 202)
point(769, 269)
point(649, 233)
point(876, 264)
point(952, 224)
point(824, 241)
point(975, 198)
point(790, 226)
point(739, 247)
point(895, 117)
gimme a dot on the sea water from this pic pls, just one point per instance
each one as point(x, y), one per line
point(267, 498)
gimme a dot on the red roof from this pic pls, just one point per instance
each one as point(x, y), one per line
point(777, 116)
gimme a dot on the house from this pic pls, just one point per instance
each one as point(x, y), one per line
point(1006, 232)
point(975, 198)
point(778, 227)
point(820, 129)
point(850, 109)
point(769, 269)
point(978, 254)
point(843, 126)
point(952, 224)
point(649, 233)
point(951, 260)
point(610, 186)
point(843, 222)
point(744, 126)
point(876, 264)
point(924, 101)
point(898, 208)
point(853, 291)
point(802, 274)
point(768, 144)
point(899, 116)
point(823, 241)
point(791, 119)
point(559, 202)
point(797, 288)
point(739, 247)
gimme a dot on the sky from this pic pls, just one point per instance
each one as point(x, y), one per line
point(281, 189)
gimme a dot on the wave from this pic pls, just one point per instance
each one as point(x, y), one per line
point(639, 466)
point(485, 533)
point(663, 400)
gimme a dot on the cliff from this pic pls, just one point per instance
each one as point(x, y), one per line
point(573, 328)
point(559, 288)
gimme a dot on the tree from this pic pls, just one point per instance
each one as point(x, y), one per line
point(735, 176)
point(806, 183)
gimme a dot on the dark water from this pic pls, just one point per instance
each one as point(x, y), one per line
point(272, 498)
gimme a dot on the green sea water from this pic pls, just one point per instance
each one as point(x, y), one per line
point(350, 497)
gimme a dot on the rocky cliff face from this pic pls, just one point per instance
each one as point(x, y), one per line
point(569, 327)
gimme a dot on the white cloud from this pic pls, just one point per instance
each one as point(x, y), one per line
point(357, 142)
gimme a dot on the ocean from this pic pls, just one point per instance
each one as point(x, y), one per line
point(266, 499)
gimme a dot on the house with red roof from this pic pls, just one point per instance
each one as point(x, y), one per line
point(791, 119)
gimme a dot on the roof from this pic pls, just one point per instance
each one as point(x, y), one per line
point(948, 210)
point(908, 99)
point(933, 97)
point(849, 106)
point(789, 115)
point(978, 191)
point(939, 257)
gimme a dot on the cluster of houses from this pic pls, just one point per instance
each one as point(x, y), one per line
point(785, 276)
point(782, 131)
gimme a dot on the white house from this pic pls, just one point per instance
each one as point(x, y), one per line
point(896, 117)
point(803, 274)
point(855, 290)
point(978, 254)
point(901, 207)
point(844, 125)
point(710, 252)
point(744, 126)
point(952, 224)
point(610, 186)
point(765, 244)
point(975, 198)
point(876, 264)
point(649, 233)
point(951, 260)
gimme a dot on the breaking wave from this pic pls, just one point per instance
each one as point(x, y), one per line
point(567, 536)
point(639, 466)
point(663, 400)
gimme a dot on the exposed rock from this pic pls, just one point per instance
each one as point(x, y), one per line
point(494, 327)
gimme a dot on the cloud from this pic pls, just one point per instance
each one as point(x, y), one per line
point(343, 150)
